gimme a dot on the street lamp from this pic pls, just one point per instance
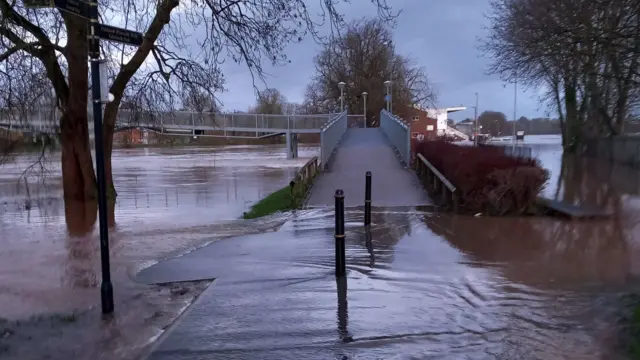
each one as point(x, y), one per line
point(341, 85)
point(387, 85)
point(364, 97)
point(475, 117)
point(515, 103)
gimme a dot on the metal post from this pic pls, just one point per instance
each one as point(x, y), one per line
point(475, 116)
point(515, 102)
point(364, 96)
point(339, 236)
point(387, 85)
point(367, 199)
point(106, 288)
point(341, 100)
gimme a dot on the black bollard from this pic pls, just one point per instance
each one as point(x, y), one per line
point(340, 245)
point(367, 199)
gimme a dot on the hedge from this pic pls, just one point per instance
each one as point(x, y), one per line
point(488, 180)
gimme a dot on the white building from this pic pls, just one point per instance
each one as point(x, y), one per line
point(442, 115)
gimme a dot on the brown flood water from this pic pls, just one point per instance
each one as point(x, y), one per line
point(172, 200)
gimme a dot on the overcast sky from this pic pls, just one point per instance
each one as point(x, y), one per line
point(443, 36)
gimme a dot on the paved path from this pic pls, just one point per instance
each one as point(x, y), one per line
point(365, 150)
point(418, 286)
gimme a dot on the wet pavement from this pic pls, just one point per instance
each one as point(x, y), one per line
point(427, 285)
point(363, 150)
point(418, 285)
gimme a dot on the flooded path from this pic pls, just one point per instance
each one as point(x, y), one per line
point(419, 284)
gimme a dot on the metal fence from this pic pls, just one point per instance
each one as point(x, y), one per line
point(180, 120)
point(398, 134)
point(331, 136)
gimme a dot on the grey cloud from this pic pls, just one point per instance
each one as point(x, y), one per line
point(442, 36)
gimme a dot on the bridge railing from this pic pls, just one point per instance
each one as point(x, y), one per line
point(243, 121)
point(331, 135)
point(398, 133)
point(178, 119)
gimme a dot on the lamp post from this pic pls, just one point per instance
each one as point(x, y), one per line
point(475, 117)
point(341, 85)
point(387, 85)
point(515, 103)
point(364, 97)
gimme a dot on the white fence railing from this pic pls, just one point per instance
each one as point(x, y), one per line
point(331, 136)
point(398, 133)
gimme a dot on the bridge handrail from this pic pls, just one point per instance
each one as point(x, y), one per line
point(398, 133)
point(437, 173)
point(331, 135)
point(182, 119)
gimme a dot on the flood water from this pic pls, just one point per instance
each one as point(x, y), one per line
point(476, 286)
point(168, 199)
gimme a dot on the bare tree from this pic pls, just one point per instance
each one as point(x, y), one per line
point(181, 51)
point(492, 122)
point(198, 101)
point(584, 52)
point(364, 58)
point(269, 101)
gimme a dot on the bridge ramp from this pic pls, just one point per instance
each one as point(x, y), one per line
point(365, 150)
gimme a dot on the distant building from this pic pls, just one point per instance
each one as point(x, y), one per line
point(466, 126)
point(422, 126)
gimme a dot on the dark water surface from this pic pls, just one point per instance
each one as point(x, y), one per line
point(420, 285)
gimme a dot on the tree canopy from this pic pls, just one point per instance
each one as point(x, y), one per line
point(364, 57)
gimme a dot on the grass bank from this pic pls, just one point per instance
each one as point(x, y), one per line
point(280, 200)
point(289, 197)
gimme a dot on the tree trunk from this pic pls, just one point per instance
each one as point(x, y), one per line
point(78, 177)
point(572, 136)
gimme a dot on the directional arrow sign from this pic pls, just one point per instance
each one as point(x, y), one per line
point(75, 7)
point(35, 4)
point(120, 35)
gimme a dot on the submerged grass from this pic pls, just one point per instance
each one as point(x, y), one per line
point(281, 200)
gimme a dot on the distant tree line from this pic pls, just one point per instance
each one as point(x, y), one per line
point(585, 53)
point(495, 123)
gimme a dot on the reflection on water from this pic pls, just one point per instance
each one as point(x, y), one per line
point(168, 199)
point(418, 285)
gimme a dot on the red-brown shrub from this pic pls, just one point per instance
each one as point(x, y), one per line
point(488, 181)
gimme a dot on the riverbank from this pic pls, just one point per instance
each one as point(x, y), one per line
point(171, 200)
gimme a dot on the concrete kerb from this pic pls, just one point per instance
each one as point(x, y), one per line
point(160, 339)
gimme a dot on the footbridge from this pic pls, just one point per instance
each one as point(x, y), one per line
point(349, 152)
point(182, 123)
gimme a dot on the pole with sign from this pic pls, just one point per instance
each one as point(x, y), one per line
point(89, 11)
point(106, 288)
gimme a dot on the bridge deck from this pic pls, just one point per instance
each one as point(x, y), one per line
point(365, 150)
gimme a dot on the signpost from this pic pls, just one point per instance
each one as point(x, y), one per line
point(89, 11)
point(38, 4)
point(120, 35)
point(75, 7)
